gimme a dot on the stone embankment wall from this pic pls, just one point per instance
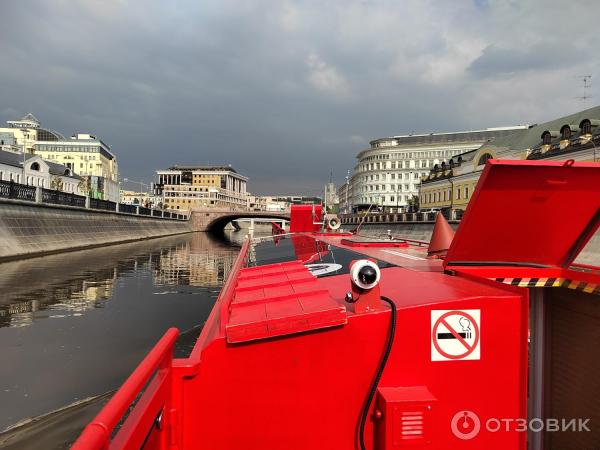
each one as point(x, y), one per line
point(422, 231)
point(32, 229)
point(419, 231)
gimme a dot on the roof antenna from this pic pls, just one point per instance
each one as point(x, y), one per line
point(587, 84)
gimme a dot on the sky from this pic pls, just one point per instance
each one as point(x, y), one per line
point(288, 92)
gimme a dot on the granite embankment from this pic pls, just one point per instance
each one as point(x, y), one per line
point(418, 231)
point(422, 232)
point(28, 229)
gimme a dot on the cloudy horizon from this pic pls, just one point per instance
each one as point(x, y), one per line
point(287, 92)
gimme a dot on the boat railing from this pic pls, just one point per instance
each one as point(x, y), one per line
point(141, 406)
point(226, 295)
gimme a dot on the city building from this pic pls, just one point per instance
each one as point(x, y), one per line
point(344, 196)
point(34, 171)
point(83, 154)
point(450, 185)
point(25, 132)
point(134, 198)
point(187, 187)
point(389, 172)
point(256, 202)
point(299, 200)
point(8, 143)
point(87, 156)
point(331, 198)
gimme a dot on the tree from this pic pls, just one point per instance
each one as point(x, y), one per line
point(56, 183)
point(85, 185)
point(413, 203)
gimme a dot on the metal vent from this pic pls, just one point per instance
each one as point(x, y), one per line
point(412, 424)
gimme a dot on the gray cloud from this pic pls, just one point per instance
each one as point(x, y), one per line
point(496, 61)
point(284, 91)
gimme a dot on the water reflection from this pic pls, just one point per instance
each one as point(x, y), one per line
point(108, 307)
point(58, 286)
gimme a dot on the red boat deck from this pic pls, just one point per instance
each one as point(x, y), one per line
point(280, 299)
point(285, 362)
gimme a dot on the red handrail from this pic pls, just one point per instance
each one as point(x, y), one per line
point(97, 434)
point(226, 295)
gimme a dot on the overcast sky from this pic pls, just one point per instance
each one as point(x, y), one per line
point(286, 91)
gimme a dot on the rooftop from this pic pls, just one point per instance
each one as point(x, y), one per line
point(204, 168)
point(16, 160)
point(532, 136)
point(449, 137)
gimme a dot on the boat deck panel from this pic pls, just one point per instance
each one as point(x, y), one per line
point(280, 299)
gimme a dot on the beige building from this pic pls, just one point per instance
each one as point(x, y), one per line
point(25, 132)
point(450, 185)
point(188, 187)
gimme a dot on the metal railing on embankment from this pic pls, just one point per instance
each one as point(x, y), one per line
point(419, 217)
point(62, 198)
point(35, 194)
point(9, 189)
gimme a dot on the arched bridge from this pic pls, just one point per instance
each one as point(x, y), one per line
point(213, 219)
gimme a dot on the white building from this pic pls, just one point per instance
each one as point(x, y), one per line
point(38, 172)
point(388, 173)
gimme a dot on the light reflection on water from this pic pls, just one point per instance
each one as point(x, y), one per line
point(68, 285)
point(74, 325)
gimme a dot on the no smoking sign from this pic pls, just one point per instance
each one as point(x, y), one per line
point(455, 335)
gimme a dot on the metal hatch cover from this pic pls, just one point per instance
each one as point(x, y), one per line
point(528, 213)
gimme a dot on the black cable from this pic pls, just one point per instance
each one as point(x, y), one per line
point(380, 369)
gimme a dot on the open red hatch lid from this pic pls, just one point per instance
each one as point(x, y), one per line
point(528, 213)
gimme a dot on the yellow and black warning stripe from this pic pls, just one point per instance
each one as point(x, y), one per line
point(590, 288)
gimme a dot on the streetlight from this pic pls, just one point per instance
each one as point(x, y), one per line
point(592, 141)
point(141, 183)
point(347, 188)
point(24, 151)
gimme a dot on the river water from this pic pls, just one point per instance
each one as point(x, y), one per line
point(73, 326)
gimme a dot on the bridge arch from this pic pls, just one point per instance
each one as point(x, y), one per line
point(211, 219)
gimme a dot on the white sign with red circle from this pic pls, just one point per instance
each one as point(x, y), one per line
point(455, 335)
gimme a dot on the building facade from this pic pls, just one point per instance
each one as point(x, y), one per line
point(89, 157)
point(25, 132)
point(389, 172)
point(134, 198)
point(188, 187)
point(451, 184)
point(34, 171)
point(83, 153)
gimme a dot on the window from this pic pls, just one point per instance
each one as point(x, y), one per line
point(35, 166)
point(458, 194)
point(565, 132)
point(483, 159)
point(466, 192)
point(586, 126)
